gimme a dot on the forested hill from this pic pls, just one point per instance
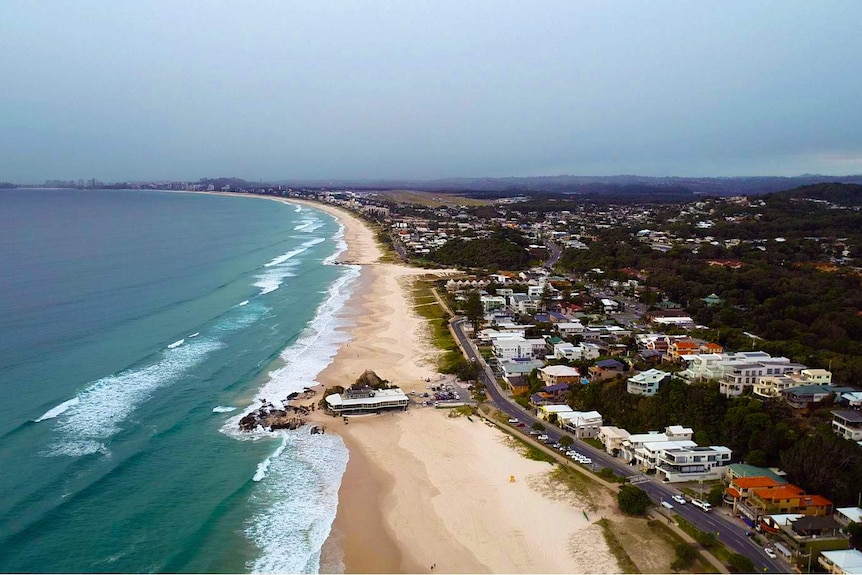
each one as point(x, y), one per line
point(834, 193)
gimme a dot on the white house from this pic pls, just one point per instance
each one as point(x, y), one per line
point(545, 411)
point(612, 438)
point(570, 328)
point(582, 423)
point(647, 382)
point(492, 302)
point(679, 461)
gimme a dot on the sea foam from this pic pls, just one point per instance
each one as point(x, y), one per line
point(177, 343)
point(59, 410)
point(223, 409)
point(105, 403)
point(295, 502)
point(281, 268)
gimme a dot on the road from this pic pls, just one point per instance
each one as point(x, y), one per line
point(556, 252)
point(730, 533)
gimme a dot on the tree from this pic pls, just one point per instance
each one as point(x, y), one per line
point(716, 494)
point(686, 554)
point(633, 500)
point(473, 310)
point(538, 426)
point(566, 441)
point(547, 297)
point(740, 564)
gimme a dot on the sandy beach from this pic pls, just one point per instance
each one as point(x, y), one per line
point(422, 488)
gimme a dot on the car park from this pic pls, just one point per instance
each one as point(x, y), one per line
point(679, 499)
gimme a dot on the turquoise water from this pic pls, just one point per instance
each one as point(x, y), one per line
point(135, 329)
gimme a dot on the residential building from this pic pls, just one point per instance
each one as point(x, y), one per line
point(740, 489)
point(847, 423)
point(847, 515)
point(612, 438)
point(558, 392)
point(774, 385)
point(519, 385)
point(545, 411)
point(583, 424)
point(492, 302)
point(680, 461)
point(647, 382)
point(806, 396)
point(519, 366)
point(807, 537)
point(569, 329)
point(554, 374)
point(786, 498)
point(841, 562)
point(606, 369)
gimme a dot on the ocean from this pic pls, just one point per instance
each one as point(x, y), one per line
point(136, 328)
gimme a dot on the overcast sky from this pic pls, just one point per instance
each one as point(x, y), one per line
point(406, 89)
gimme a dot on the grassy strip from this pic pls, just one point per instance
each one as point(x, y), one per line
point(594, 442)
point(662, 530)
point(438, 321)
point(617, 550)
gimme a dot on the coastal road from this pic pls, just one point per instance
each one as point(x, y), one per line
point(730, 533)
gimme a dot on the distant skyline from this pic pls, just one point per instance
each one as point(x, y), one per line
point(279, 90)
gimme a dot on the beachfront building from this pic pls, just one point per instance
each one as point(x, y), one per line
point(545, 411)
point(583, 424)
point(841, 562)
point(366, 400)
point(736, 371)
point(612, 438)
point(806, 538)
point(647, 382)
point(679, 461)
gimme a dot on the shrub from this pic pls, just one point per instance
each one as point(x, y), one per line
point(633, 500)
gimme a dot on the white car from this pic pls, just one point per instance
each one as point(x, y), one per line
point(513, 420)
point(585, 460)
point(543, 437)
point(770, 552)
point(679, 499)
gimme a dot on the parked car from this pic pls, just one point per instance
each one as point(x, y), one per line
point(770, 552)
point(542, 437)
point(513, 420)
point(586, 460)
point(534, 432)
point(679, 499)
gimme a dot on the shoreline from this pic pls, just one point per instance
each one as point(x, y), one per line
point(422, 489)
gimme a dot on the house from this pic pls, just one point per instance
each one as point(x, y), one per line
point(848, 424)
point(492, 302)
point(650, 356)
point(610, 306)
point(570, 328)
point(519, 366)
point(519, 385)
point(807, 537)
point(773, 385)
point(566, 350)
point(680, 347)
point(680, 461)
point(847, 515)
point(545, 411)
point(612, 438)
point(647, 382)
point(605, 369)
point(366, 400)
point(841, 562)
point(784, 498)
point(583, 424)
point(557, 392)
point(740, 489)
point(805, 396)
point(554, 374)
point(736, 470)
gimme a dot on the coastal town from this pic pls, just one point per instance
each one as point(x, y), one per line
point(554, 342)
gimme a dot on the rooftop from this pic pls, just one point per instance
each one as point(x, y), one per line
point(850, 415)
point(848, 560)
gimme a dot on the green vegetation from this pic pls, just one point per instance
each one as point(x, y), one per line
point(686, 555)
point(740, 564)
point(608, 474)
point(503, 249)
point(616, 548)
point(594, 442)
point(633, 500)
point(528, 450)
point(566, 441)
